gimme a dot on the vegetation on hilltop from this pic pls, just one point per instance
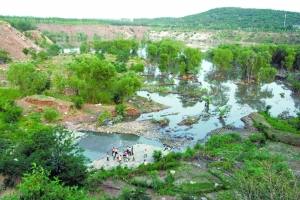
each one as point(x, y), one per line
point(218, 18)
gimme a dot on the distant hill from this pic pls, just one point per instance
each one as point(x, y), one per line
point(241, 18)
point(218, 18)
point(230, 18)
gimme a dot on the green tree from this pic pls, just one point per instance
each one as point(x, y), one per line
point(104, 116)
point(38, 185)
point(247, 60)
point(42, 55)
point(127, 85)
point(182, 68)
point(123, 55)
point(29, 80)
point(51, 114)
point(137, 67)
point(54, 149)
point(290, 58)
point(84, 47)
point(192, 58)
point(223, 59)
point(89, 76)
point(134, 46)
point(53, 50)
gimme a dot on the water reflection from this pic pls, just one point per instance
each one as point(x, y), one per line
point(241, 100)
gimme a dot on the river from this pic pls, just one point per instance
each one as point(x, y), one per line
point(240, 101)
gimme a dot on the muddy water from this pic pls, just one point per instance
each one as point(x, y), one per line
point(240, 101)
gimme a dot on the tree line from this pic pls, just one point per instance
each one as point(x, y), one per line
point(258, 63)
point(218, 18)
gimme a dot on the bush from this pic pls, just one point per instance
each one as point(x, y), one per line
point(170, 179)
point(189, 153)
point(104, 97)
point(118, 119)
point(258, 138)
point(137, 67)
point(4, 57)
point(121, 109)
point(154, 121)
point(12, 114)
point(120, 67)
point(296, 86)
point(157, 155)
point(78, 102)
point(51, 114)
point(219, 141)
point(198, 146)
point(104, 116)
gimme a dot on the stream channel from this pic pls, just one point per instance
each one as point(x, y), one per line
point(239, 99)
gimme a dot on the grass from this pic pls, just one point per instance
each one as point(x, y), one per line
point(281, 125)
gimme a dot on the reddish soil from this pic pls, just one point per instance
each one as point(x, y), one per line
point(13, 41)
point(106, 32)
point(88, 113)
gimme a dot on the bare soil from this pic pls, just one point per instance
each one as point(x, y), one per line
point(13, 41)
point(106, 32)
point(86, 117)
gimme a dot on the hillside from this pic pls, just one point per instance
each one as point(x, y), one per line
point(13, 41)
point(218, 18)
point(75, 35)
point(233, 18)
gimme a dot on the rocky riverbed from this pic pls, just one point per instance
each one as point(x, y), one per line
point(153, 131)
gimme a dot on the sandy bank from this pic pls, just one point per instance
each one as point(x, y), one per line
point(138, 150)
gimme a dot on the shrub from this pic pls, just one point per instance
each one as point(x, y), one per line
point(170, 179)
point(296, 86)
point(154, 121)
point(51, 114)
point(104, 116)
point(78, 102)
point(137, 68)
point(157, 155)
point(219, 141)
point(198, 146)
point(118, 119)
point(189, 153)
point(104, 97)
point(121, 109)
point(258, 138)
point(12, 114)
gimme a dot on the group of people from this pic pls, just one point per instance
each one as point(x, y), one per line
point(127, 152)
point(119, 155)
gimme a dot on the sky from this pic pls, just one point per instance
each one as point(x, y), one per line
point(116, 9)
